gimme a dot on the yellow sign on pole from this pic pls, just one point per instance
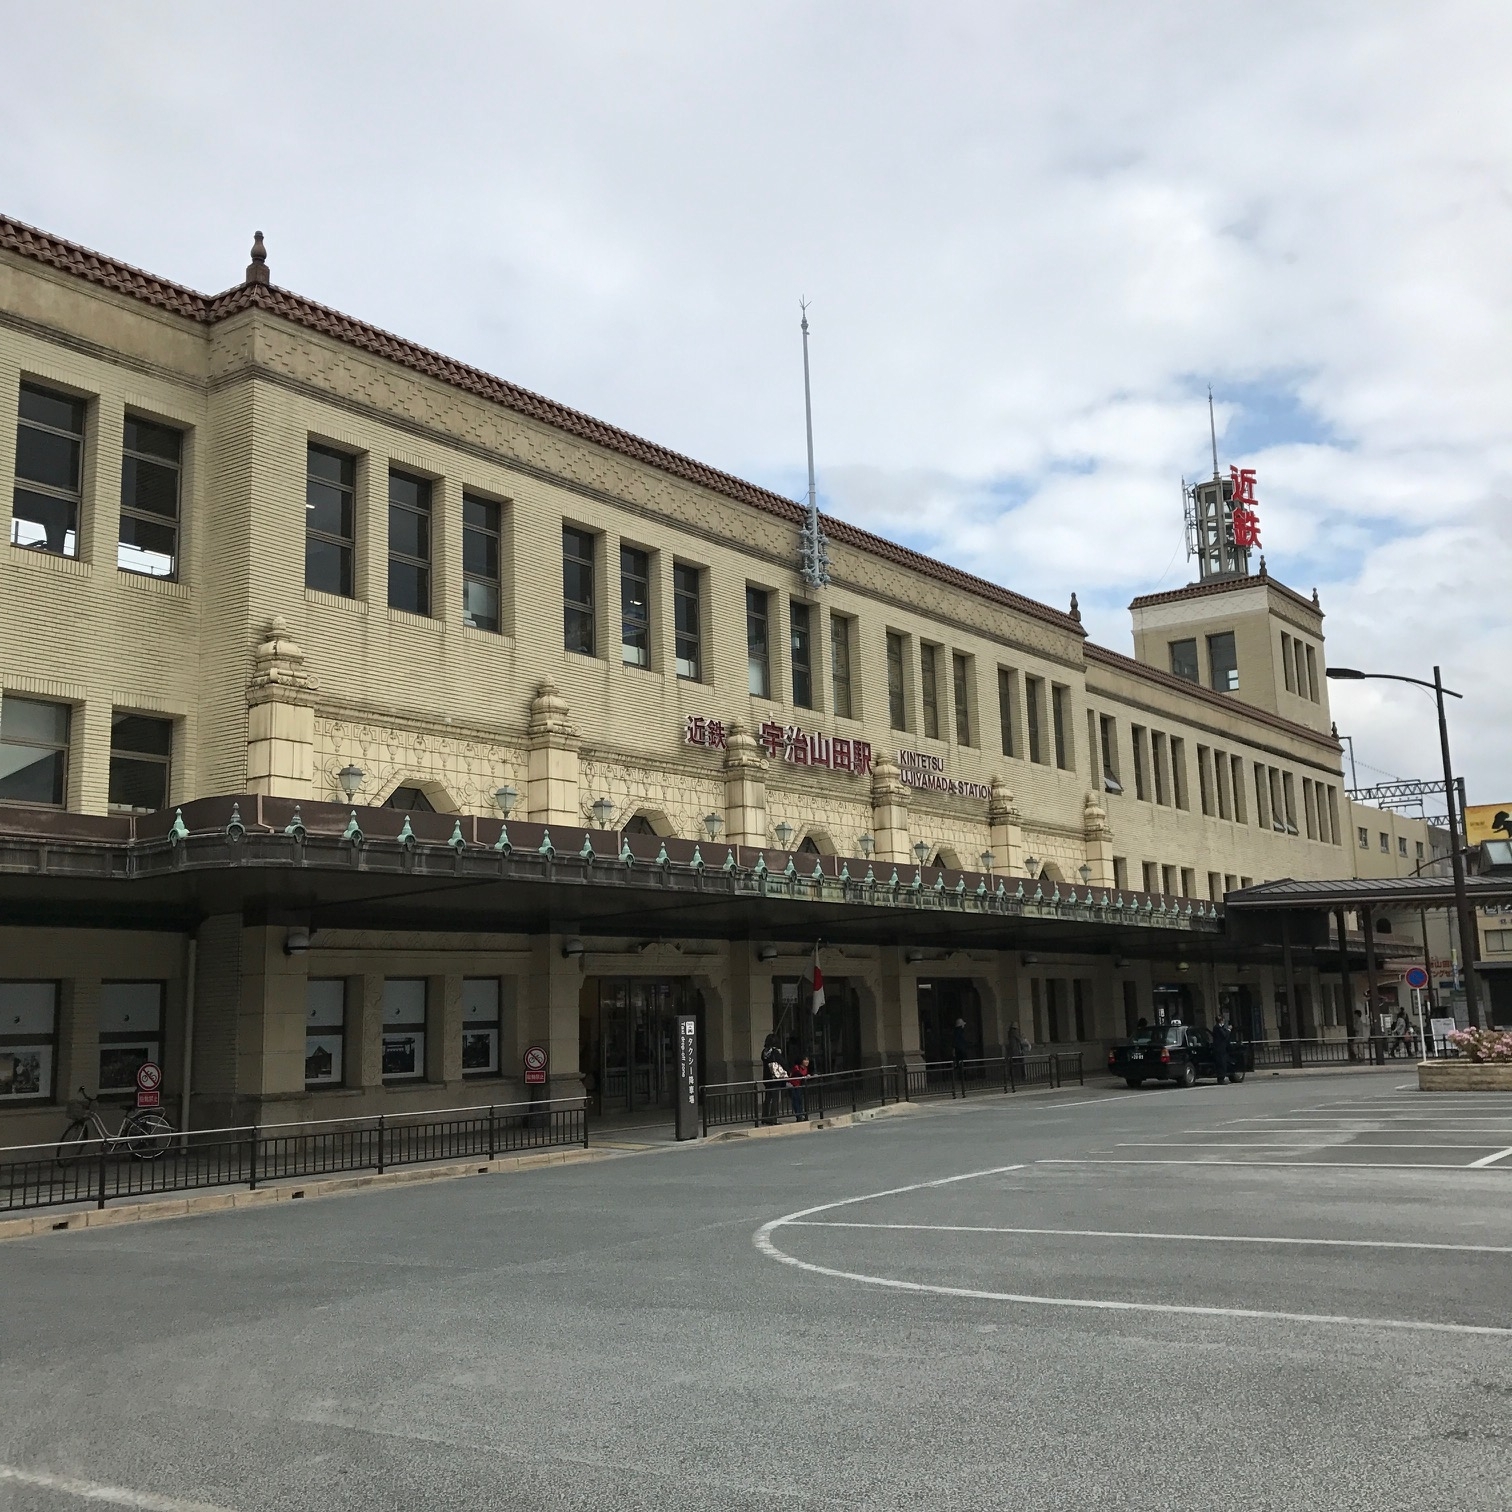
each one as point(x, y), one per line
point(1487, 821)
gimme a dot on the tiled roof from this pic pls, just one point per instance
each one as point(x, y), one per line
point(1223, 585)
point(1224, 701)
point(68, 257)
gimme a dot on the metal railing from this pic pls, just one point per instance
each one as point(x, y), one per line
point(100, 1171)
point(995, 1073)
point(1332, 1052)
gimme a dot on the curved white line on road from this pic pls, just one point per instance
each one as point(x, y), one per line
point(114, 1496)
point(762, 1239)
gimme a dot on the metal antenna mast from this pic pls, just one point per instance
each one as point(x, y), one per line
point(1213, 430)
point(813, 552)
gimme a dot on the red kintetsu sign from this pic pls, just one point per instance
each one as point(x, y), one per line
point(1246, 520)
point(791, 743)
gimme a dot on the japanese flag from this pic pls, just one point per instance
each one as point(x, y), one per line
point(818, 983)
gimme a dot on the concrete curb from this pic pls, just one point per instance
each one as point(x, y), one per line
point(51, 1221)
point(815, 1125)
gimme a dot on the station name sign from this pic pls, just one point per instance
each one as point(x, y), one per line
point(921, 770)
point(790, 743)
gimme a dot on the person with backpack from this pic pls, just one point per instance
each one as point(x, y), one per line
point(773, 1077)
point(797, 1075)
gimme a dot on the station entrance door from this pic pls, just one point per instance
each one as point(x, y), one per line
point(942, 1001)
point(627, 1039)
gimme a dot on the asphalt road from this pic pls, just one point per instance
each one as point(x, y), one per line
point(643, 1333)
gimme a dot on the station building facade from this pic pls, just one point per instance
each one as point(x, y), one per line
point(259, 550)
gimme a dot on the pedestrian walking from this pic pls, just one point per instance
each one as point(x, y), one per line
point(773, 1076)
point(1399, 1032)
point(799, 1074)
point(1222, 1042)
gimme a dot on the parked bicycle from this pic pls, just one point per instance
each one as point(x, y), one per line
point(145, 1133)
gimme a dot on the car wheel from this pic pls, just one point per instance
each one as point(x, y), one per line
point(1133, 1081)
point(1187, 1075)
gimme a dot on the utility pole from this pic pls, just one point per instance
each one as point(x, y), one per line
point(1458, 840)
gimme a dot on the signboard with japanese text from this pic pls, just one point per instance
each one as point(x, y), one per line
point(149, 1080)
point(921, 770)
point(1245, 516)
point(1487, 821)
point(789, 743)
point(687, 1076)
point(535, 1066)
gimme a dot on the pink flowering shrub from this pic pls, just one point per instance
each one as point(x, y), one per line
point(1483, 1044)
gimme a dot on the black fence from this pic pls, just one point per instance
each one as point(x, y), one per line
point(1335, 1052)
point(102, 1170)
point(727, 1104)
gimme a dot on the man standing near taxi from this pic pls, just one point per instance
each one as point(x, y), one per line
point(1222, 1039)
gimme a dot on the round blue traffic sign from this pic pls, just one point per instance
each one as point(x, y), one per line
point(1417, 977)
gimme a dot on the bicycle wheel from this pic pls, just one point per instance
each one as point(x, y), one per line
point(74, 1143)
point(146, 1134)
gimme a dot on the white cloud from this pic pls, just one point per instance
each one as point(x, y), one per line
point(1031, 234)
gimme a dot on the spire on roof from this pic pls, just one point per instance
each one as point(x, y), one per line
point(257, 269)
point(1075, 609)
point(1263, 572)
point(1316, 604)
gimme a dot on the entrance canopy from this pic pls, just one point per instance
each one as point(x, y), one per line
point(321, 865)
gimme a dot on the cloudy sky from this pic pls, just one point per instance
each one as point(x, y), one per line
point(1032, 235)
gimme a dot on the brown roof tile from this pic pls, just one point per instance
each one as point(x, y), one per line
point(1223, 585)
point(67, 256)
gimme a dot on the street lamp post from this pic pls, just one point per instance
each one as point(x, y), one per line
point(1457, 837)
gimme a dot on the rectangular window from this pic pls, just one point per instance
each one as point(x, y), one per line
point(325, 1030)
point(1364, 838)
point(1309, 809)
point(1179, 773)
point(140, 751)
point(151, 460)
point(1007, 706)
point(1300, 652)
point(1184, 660)
point(131, 1031)
point(1221, 783)
point(1168, 881)
point(1158, 766)
point(1034, 709)
point(34, 751)
point(480, 1026)
point(1151, 878)
point(1240, 814)
point(960, 682)
point(1262, 797)
point(1188, 882)
point(1215, 887)
point(801, 637)
point(929, 689)
point(409, 523)
point(840, 665)
point(49, 470)
point(1419, 850)
point(1334, 832)
point(481, 555)
point(403, 1028)
point(1312, 675)
point(1498, 942)
point(687, 605)
point(28, 1040)
point(1205, 779)
point(635, 607)
point(578, 629)
point(1060, 704)
point(1385, 844)
point(1121, 872)
point(1141, 760)
point(1230, 882)
point(758, 650)
point(330, 490)
point(1402, 846)
point(1224, 660)
point(1107, 731)
point(1246, 882)
point(897, 703)
point(1286, 663)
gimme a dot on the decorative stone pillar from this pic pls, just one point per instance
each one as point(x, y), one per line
point(552, 786)
point(281, 719)
point(889, 811)
point(1006, 825)
point(1099, 842)
point(745, 787)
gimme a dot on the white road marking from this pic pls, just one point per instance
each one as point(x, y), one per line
point(115, 1496)
point(1271, 1144)
point(1489, 1160)
point(762, 1239)
point(1303, 1165)
point(973, 1228)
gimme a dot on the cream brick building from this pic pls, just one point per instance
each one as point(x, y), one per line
point(258, 548)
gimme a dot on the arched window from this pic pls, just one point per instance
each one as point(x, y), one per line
point(639, 825)
point(808, 848)
point(410, 798)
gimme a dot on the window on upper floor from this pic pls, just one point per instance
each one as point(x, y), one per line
point(960, 677)
point(1312, 675)
point(1150, 876)
point(1286, 663)
point(635, 607)
point(758, 645)
point(151, 467)
point(801, 632)
point(578, 629)
point(1140, 740)
point(840, 666)
point(1008, 711)
point(1184, 660)
point(411, 800)
point(481, 556)
point(1402, 846)
point(1158, 766)
point(34, 737)
point(1419, 850)
point(330, 487)
point(1034, 717)
point(687, 609)
point(1364, 838)
point(1107, 731)
point(1240, 814)
point(1498, 941)
point(1385, 844)
point(929, 688)
point(1179, 773)
point(141, 749)
point(409, 524)
point(1299, 650)
point(1060, 719)
point(1223, 658)
point(49, 471)
point(897, 703)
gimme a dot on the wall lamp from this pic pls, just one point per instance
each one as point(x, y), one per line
point(572, 949)
point(913, 957)
point(767, 953)
point(296, 940)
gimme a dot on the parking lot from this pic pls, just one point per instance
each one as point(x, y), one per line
point(1288, 1294)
